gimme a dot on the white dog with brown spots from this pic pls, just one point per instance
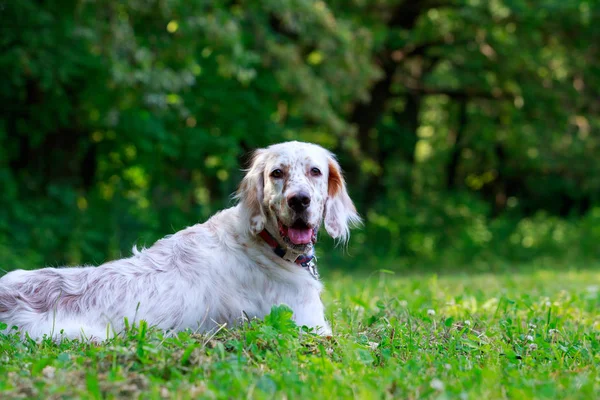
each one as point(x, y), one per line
point(242, 261)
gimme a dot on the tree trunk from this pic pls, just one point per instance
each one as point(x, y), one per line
point(366, 116)
point(457, 146)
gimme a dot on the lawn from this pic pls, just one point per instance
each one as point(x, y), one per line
point(517, 335)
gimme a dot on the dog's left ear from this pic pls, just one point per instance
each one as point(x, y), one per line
point(251, 193)
point(340, 213)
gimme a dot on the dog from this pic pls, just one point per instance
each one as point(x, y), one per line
point(238, 264)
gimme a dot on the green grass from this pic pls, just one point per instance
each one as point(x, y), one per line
point(515, 335)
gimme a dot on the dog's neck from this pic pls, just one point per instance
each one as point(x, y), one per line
point(286, 253)
point(306, 261)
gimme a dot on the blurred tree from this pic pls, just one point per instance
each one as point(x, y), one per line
point(123, 121)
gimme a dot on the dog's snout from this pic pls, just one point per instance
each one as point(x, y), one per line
point(299, 201)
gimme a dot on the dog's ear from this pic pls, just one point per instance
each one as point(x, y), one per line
point(251, 192)
point(340, 213)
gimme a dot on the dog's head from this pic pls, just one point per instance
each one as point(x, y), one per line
point(290, 189)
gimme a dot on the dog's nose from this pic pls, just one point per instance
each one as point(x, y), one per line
point(299, 201)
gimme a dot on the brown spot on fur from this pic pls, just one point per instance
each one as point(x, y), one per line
point(94, 283)
point(336, 181)
point(7, 302)
point(69, 303)
point(210, 226)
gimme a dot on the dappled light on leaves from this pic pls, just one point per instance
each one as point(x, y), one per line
point(467, 131)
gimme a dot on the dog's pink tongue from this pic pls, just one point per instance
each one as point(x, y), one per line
point(300, 236)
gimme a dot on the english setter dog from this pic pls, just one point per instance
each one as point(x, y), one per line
point(242, 261)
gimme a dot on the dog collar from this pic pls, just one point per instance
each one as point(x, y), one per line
point(306, 261)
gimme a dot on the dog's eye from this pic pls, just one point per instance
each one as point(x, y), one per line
point(315, 172)
point(277, 173)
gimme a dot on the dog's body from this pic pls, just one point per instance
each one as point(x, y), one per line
point(171, 285)
point(208, 274)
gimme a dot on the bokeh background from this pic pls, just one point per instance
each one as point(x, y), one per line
point(469, 130)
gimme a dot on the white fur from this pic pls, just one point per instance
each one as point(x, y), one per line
point(201, 277)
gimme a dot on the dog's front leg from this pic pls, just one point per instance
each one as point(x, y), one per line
point(312, 315)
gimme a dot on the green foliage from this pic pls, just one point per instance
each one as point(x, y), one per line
point(454, 232)
point(122, 122)
point(511, 335)
point(280, 319)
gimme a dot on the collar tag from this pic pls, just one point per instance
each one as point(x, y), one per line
point(311, 267)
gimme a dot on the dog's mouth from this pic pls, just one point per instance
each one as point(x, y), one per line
point(298, 233)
